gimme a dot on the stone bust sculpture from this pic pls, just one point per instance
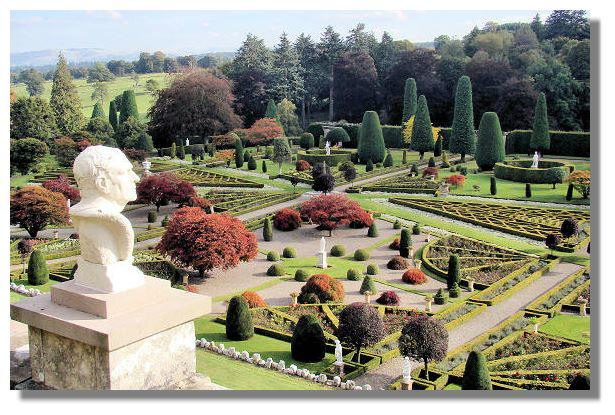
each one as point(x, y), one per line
point(107, 183)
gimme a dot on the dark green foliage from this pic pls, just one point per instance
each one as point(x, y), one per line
point(129, 106)
point(353, 274)
point(64, 100)
point(316, 130)
point(552, 240)
point(273, 256)
point(276, 270)
point(437, 150)
point(397, 225)
point(463, 137)
point(453, 272)
point(310, 298)
point(414, 169)
point(38, 274)
point(368, 285)
point(338, 250)
point(369, 166)
point(264, 167)
point(181, 150)
point(26, 153)
point(271, 111)
point(306, 141)
point(251, 163)
point(372, 232)
point(490, 145)
point(493, 186)
point(165, 221)
point(337, 135)
point(246, 156)
point(569, 192)
point(440, 297)
point(371, 142)
point(238, 153)
point(301, 275)
point(361, 255)
point(239, 319)
point(454, 291)
point(289, 252)
point(405, 242)
point(32, 118)
point(476, 374)
point(372, 269)
point(152, 216)
point(308, 341)
point(267, 230)
point(393, 136)
point(388, 160)
point(422, 135)
point(431, 162)
point(528, 190)
point(173, 150)
point(569, 228)
point(410, 102)
point(404, 157)
point(98, 111)
point(540, 134)
point(562, 143)
point(416, 229)
point(144, 142)
point(580, 382)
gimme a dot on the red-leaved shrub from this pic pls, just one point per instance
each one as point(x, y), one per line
point(397, 263)
point(254, 299)
point(456, 180)
point(287, 220)
point(414, 276)
point(395, 244)
point(61, 184)
point(430, 171)
point(388, 298)
point(332, 211)
point(327, 288)
point(302, 165)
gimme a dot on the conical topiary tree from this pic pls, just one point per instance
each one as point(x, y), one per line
point(38, 273)
point(238, 152)
point(271, 111)
point(541, 139)
point(476, 374)
point(388, 160)
point(371, 142)
point(422, 135)
point(409, 100)
point(405, 242)
point(267, 230)
point(463, 136)
point(372, 231)
point(129, 106)
point(490, 145)
point(368, 285)
point(113, 115)
point(493, 187)
point(308, 341)
point(453, 275)
point(239, 319)
point(98, 111)
point(437, 150)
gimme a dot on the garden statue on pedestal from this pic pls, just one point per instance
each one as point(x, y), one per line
point(535, 160)
point(406, 371)
point(146, 166)
point(328, 148)
point(339, 359)
point(322, 254)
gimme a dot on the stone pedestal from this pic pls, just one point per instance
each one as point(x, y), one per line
point(322, 259)
point(471, 285)
point(406, 384)
point(339, 368)
point(141, 338)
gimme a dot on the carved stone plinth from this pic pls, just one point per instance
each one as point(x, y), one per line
point(406, 385)
point(322, 260)
point(339, 368)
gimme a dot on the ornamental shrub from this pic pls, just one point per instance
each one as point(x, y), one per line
point(361, 255)
point(352, 274)
point(493, 186)
point(437, 149)
point(276, 270)
point(453, 274)
point(569, 192)
point(238, 152)
point(490, 144)
point(528, 190)
point(338, 250)
point(422, 133)
point(569, 228)
point(430, 171)
point(371, 141)
point(463, 136)
point(287, 219)
point(302, 165)
point(476, 373)
point(316, 130)
point(267, 230)
point(337, 135)
point(416, 229)
point(372, 269)
point(325, 287)
point(264, 167)
point(414, 169)
point(414, 276)
point(251, 163)
point(388, 298)
point(308, 341)
point(552, 240)
point(388, 160)
point(38, 273)
point(454, 291)
point(254, 299)
point(397, 225)
point(289, 252)
point(462, 170)
point(541, 139)
point(440, 297)
point(306, 141)
point(431, 162)
point(372, 232)
point(368, 285)
point(404, 157)
point(456, 180)
point(410, 100)
point(152, 216)
point(271, 111)
point(394, 244)
point(405, 243)
point(239, 319)
point(165, 221)
point(246, 156)
point(301, 275)
point(397, 263)
point(369, 166)
point(273, 256)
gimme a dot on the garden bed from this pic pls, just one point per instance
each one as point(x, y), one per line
point(199, 177)
point(521, 171)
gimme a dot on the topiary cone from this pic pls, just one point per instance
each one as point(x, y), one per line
point(38, 273)
point(476, 374)
point(308, 341)
point(239, 319)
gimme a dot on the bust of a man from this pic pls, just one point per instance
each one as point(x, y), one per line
point(107, 183)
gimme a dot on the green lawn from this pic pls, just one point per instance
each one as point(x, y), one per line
point(47, 163)
point(116, 87)
point(452, 387)
point(44, 288)
point(568, 326)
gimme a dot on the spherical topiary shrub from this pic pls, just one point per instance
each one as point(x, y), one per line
point(302, 165)
point(397, 263)
point(239, 319)
point(152, 216)
point(440, 297)
point(353, 274)
point(372, 269)
point(416, 229)
point(395, 244)
point(289, 252)
point(397, 225)
point(388, 298)
point(254, 299)
point(552, 240)
point(372, 232)
point(308, 341)
point(301, 275)
point(569, 228)
point(276, 270)
point(414, 276)
point(325, 287)
point(338, 250)
point(38, 273)
point(287, 220)
point(273, 256)
point(361, 255)
point(368, 285)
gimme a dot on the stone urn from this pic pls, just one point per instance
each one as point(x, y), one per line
point(367, 295)
point(583, 306)
point(471, 284)
point(293, 298)
point(56, 234)
point(418, 263)
point(428, 301)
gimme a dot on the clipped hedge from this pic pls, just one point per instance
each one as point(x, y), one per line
point(319, 156)
point(521, 171)
point(393, 136)
point(563, 143)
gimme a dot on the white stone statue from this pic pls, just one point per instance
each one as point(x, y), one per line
point(146, 166)
point(323, 245)
point(107, 183)
point(535, 160)
point(338, 353)
point(322, 254)
point(328, 148)
point(187, 141)
point(407, 369)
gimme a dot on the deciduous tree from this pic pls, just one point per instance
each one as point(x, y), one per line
point(361, 326)
point(27, 153)
point(424, 338)
point(34, 207)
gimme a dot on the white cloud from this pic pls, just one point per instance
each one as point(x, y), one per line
point(205, 24)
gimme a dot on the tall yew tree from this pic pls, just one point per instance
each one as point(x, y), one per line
point(64, 100)
point(540, 140)
point(113, 115)
point(410, 100)
point(490, 145)
point(422, 135)
point(129, 106)
point(463, 136)
point(371, 141)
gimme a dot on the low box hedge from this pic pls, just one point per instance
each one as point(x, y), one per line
point(318, 156)
point(535, 306)
point(522, 172)
point(563, 143)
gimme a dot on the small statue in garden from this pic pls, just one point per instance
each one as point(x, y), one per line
point(535, 160)
point(406, 370)
point(338, 353)
point(328, 148)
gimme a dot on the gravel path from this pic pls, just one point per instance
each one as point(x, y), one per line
point(494, 315)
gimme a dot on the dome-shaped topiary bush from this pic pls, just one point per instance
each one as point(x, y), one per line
point(361, 255)
point(287, 220)
point(308, 341)
point(301, 275)
point(569, 228)
point(38, 273)
point(338, 250)
point(416, 229)
point(397, 263)
point(152, 216)
point(368, 285)
point(254, 299)
point(327, 288)
point(440, 297)
point(372, 232)
point(302, 165)
point(414, 276)
point(239, 319)
point(454, 291)
point(394, 244)
point(289, 252)
point(276, 270)
point(353, 274)
point(372, 269)
point(397, 225)
point(273, 256)
point(388, 298)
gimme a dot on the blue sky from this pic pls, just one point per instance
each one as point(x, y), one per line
point(214, 31)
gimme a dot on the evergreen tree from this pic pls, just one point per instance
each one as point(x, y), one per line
point(312, 74)
point(267, 230)
point(181, 150)
point(287, 79)
point(388, 160)
point(239, 324)
point(271, 111)
point(410, 100)
point(368, 285)
point(463, 136)
point(405, 242)
point(144, 142)
point(113, 115)
point(238, 152)
point(264, 167)
point(490, 145)
point(437, 150)
point(173, 150)
point(308, 341)
point(129, 106)
point(287, 117)
point(493, 186)
point(422, 134)
point(453, 276)
point(569, 192)
point(64, 100)
point(330, 49)
point(38, 274)
point(476, 374)
point(98, 111)
point(281, 152)
point(540, 140)
point(371, 142)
